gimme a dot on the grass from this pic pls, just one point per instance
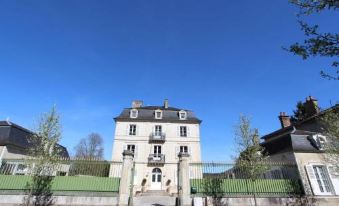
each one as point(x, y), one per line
point(64, 183)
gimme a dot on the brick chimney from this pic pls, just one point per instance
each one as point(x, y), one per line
point(311, 106)
point(285, 120)
point(137, 104)
point(166, 103)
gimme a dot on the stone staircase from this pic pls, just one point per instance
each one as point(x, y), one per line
point(154, 198)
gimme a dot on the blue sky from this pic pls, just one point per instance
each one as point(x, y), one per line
point(217, 58)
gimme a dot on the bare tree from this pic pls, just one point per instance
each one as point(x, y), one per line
point(90, 147)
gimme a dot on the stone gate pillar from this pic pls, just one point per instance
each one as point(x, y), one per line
point(184, 180)
point(125, 180)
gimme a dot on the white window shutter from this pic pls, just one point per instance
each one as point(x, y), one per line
point(135, 151)
point(177, 150)
point(127, 129)
point(313, 180)
point(125, 147)
point(189, 150)
point(334, 175)
point(188, 131)
point(178, 131)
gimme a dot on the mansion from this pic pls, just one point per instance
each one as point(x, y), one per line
point(156, 135)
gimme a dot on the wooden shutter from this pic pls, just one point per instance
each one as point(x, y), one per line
point(188, 131)
point(334, 176)
point(313, 180)
point(178, 131)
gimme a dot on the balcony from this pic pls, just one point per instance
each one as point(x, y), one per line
point(156, 159)
point(157, 137)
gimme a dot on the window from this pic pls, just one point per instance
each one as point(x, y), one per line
point(183, 131)
point(157, 130)
point(158, 114)
point(132, 129)
point(320, 179)
point(323, 179)
point(134, 113)
point(318, 141)
point(182, 115)
point(184, 149)
point(131, 147)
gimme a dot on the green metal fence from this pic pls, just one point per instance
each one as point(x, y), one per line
point(221, 179)
point(68, 175)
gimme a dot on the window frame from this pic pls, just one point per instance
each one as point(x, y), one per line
point(182, 112)
point(132, 132)
point(134, 111)
point(183, 131)
point(158, 111)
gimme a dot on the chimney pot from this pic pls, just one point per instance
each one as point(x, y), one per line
point(285, 120)
point(137, 104)
point(166, 103)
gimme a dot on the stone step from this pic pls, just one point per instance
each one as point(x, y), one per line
point(154, 201)
point(155, 193)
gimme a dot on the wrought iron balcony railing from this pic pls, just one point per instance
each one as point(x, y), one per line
point(156, 159)
point(157, 137)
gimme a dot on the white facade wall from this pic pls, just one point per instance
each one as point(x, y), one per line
point(170, 148)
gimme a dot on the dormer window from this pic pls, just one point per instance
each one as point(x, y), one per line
point(134, 113)
point(158, 114)
point(319, 141)
point(182, 115)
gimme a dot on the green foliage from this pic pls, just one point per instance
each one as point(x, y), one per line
point(251, 153)
point(45, 153)
point(330, 121)
point(300, 113)
point(90, 168)
point(317, 43)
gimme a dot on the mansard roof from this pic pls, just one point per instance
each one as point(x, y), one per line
point(15, 135)
point(146, 114)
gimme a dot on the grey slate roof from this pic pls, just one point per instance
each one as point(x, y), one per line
point(146, 113)
point(13, 134)
point(292, 140)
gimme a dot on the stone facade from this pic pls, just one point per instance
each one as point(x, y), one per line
point(156, 144)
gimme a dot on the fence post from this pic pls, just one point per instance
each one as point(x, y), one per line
point(184, 180)
point(125, 181)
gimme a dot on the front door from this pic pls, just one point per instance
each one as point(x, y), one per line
point(156, 179)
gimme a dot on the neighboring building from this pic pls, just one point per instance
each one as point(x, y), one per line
point(303, 143)
point(14, 145)
point(156, 135)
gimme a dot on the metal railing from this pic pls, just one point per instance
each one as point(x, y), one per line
point(221, 179)
point(68, 174)
point(157, 137)
point(156, 159)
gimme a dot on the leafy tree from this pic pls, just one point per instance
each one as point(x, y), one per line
point(300, 113)
point(317, 43)
point(251, 154)
point(90, 147)
point(330, 122)
point(45, 153)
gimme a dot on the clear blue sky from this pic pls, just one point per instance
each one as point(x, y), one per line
point(217, 58)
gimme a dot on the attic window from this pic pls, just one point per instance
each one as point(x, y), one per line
point(134, 113)
point(319, 141)
point(182, 115)
point(158, 114)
